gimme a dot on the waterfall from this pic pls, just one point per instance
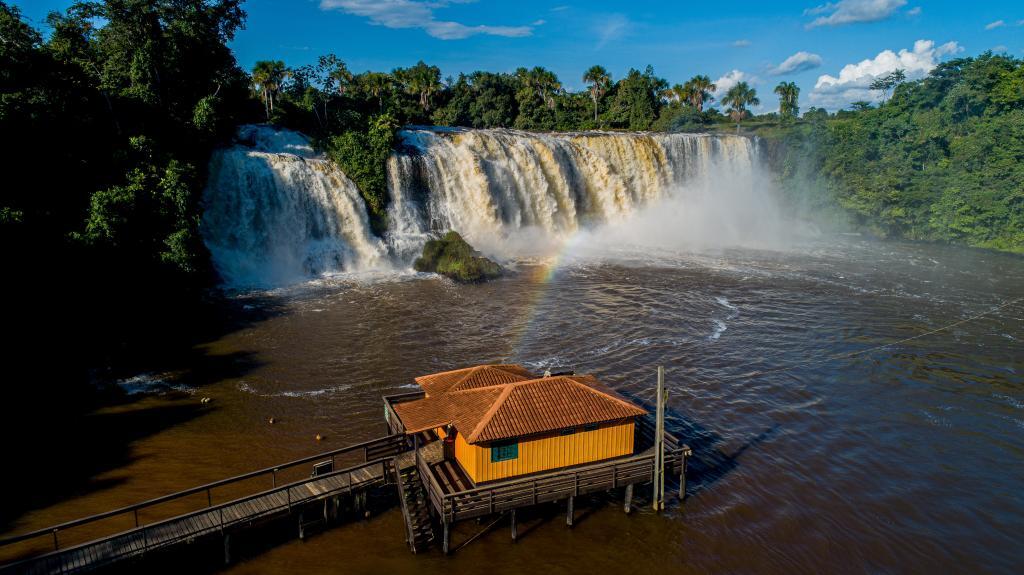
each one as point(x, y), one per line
point(276, 212)
point(507, 190)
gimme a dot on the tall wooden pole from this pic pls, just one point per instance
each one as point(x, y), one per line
point(659, 445)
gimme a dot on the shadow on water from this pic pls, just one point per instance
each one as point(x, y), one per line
point(710, 462)
point(55, 463)
point(67, 423)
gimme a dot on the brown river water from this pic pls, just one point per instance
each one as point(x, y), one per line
point(908, 459)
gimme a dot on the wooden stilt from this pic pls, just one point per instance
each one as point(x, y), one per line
point(627, 507)
point(227, 548)
point(569, 512)
point(682, 479)
point(657, 501)
point(302, 528)
point(515, 534)
point(446, 538)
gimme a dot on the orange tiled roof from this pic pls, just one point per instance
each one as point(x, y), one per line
point(472, 377)
point(515, 408)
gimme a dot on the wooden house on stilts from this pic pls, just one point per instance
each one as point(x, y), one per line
point(493, 438)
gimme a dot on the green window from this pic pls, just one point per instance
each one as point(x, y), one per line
point(504, 451)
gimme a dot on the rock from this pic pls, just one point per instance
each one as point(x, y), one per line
point(452, 257)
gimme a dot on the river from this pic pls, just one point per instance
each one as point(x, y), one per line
point(903, 460)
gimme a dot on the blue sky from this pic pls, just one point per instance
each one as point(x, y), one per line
point(832, 50)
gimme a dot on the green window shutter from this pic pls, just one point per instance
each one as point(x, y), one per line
point(504, 451)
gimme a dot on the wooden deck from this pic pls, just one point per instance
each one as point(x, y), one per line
point(277, 501)
point(455, 497)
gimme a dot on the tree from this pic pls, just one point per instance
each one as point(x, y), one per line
point(376, 84)
point(536, 97)
point(600, 81)
point(697, 90)
point(738, 98)
point(268, 77)
point(789, 94)
point(886, 83)
point(542, 82)
point(637, 100)
point(860, 106)
point(420, 80)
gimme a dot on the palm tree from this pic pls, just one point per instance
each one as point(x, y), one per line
point(600, 81)
point(377, 84)
point(789, 94)
point(267, 77)
point(697, 91)
point(738, 98)
point(677, 93)
point(542, 82)
point(421, 80)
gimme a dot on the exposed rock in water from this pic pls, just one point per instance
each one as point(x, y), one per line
point(451, 256)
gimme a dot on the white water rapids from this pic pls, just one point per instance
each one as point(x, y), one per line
point(276, 212)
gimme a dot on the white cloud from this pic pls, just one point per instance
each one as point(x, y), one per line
point(729, 80)
point(540, 22)
point(612, 28)
point(915, 11)
point(851, 11)
point(996, 24)
point(413, 14)
point(1000, 49)
point(854, 80)
point(799, 62)
point(741, 43)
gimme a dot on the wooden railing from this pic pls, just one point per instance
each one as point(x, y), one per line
point(372, 450)
point(434, 491)
point(164, 532)
point(394, 423)
point(548, 487)
point(406, 513)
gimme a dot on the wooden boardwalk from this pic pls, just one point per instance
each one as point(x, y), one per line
point(430, 482)
point(277, 501)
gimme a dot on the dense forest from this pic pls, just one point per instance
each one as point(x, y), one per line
point(110, 115)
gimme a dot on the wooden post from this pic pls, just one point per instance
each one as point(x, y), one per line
point(569, 512)
point(661, 487)
point(657, 501)
point(627, 507)
point(515, 534)
point(227, 548)
point(445, 538)
point(302, 531)
point(682, 479)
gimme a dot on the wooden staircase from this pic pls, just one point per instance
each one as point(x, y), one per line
point(415, 509)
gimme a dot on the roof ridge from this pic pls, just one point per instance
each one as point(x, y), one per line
point(498, 402)
point(598, 391)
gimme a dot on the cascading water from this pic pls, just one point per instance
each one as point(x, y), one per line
point(276, 212)
point(512, 192)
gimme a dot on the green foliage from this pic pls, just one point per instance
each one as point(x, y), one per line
point(451, 256)
point(942, 160)
point(363, 157)
point(113, 114)
point(637, 100)
point(738, 98)
point(789, 95)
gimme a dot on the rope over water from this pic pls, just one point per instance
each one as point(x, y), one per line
point(869, 350)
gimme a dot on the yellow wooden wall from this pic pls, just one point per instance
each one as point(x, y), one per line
point(546, 453)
